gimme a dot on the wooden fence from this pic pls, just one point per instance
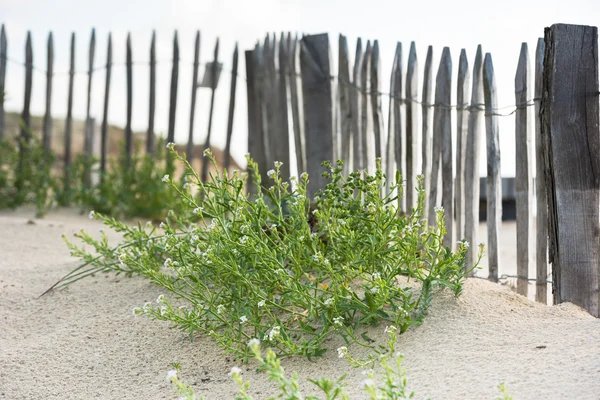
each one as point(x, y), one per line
point(297, 101)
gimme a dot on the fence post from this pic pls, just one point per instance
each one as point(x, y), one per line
point(47, 135)
point(26, 114)
point(190, 143)
point(376, 104)
point(3, 60)
point(213, 88)
point(356, 99)
point(150, 146)
point(365, 115)
point(412, 92)
point(426, 124)
point(262, 157)
point(282, 140)
point(318, 108)
point(69, 124)
point(296, 103)
point(173, 93)
point(494, 181)
point(88, 139)
point(232, 93)
point(472, 161)
point(462, 102)
point(541, 242)
point(571, 143)
point(129, 67)
point(345, 106)
point(523, 175)
point(254, 136)
point(104, 137)
point(394, 142)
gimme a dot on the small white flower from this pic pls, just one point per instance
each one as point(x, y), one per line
point(342, 351)
point(172, 374)
point(168, 263)
point(304, 176)
point(274, 332)
point(91, 214)
point(243, 239)
point(160, 299)
point(136, 310)
point(206, 152)
point(390, 329)
point(243, 319)
point(374, 290)
point(439, 209)
point(198, 210)
point(376, 275)
point(220, 309)
point(253, 342)
point(170, 145)
point(235, 371)
point(367, 372)
point(338, 321)
point(271, 173)
point(398, 354)
point(186, 185)
point(278, 164)
point(328, 302)
point(261, 303)
point(147, 307)
point(301, 238)
point(367, 383)
point(341, 222)
point(464, 243)
point(165, 178)
point(162, 225)
point(316, 257)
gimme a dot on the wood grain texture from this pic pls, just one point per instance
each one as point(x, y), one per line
point(315, 68)
point(442, 147)
point(394, 142)
point(296, 103)
point(129, 69)
point(69, 122)
point(195, 66)
point(366, 123)
point(254, 137)
point(88, 141)
point(213, 90)
point(3, 61)
point(268, 70)
point(523, 170)
point(426, 125)
point(282, 139)
point(412, 125)
point(173, 91)
point(261, 109)
point(571, 143)
point(472, 161)
point(47, 129)
point(230, 115)
point(26, 113)
point(494, 181)
point(462, 123)
point(541, 240)
point(356, 101)
point(150, 138)
point(104, 131)
point(345, 111)
point(376, 103)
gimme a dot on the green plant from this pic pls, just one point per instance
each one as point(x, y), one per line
point(280, 268)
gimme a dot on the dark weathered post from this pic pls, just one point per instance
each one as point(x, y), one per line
point(190, 143)
point(104, 137)
point(173, 93)
point(232, 93)
point(356, 96)
point(88, 140)
point(365, 114)
point(69, 124)
point(376, 101)
point(344, 102)
point(128, 131)
point(254, 137)
point(426, 123)
point(541, 242)
point(571, 144)
point(261, 157)
point(523, 175)
point(3, 60)
point(213, 88)
point(494, 182)
point(296, 104)
point(26, 114)
point(318, 108)
point(394, 144)
point(462, 103)
point(47, 135)
point(472, 160)
point(412, 93)
point(150, 145)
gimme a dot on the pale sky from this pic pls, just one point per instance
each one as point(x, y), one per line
point(499, 26)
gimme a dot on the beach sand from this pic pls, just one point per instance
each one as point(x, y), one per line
point(84, 341)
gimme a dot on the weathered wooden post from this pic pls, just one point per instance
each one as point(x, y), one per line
point(394, 142)
point(412, 123)
point(365, 114)
point(150, 146)
point(282, 135)
point(3, 60)
point(254, 133)
point(376, 103)
point(462, 116)
point(69, 126)
point(25, 121)
point(214, 79)
point(523, 175)
point(318, 108)
point(296, 103)
point(344, 90)
point(232, 93)
point(104, 133)
point(541, 242)
point(47, 135)
point(88, 139)
point(190, 143)
point(571, 144)
point(494, 181)
point(356, 100)
point(173, 93)
point(128, 131)
point(427, 114)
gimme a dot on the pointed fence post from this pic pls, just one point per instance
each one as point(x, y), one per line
point(25, 121)
point(365, 114)
point(232, 94)
point(376, 103)
point(190, 143)
point(571, 143)
point(426, 125)
point(104, 133)
point(296, 104)
point(47, 135)
point(88, 140)
point(356, 102)
point(394, 143)
point(282, 138)
point(462, 103)
point(69, 126)
point(173, 93)
point(129, 68)
point(150, 145)
point(494, 181)
point(346, 116)
point(3, 60)
point(213, 88)
point(412, 123)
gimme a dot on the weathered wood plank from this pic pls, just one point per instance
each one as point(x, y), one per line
point(213, 89)
point(346, 116)
point(173, 91)
point(462, 115)
point(129, 71)
point(254, 138)
point(394, 142)
point(523, 173)
point(190, 143)
point(104, 133)
point(442, 146)
point(571, 143)
point(426, 124)
point(541, 241)
point(268, 100)
point(282, 139)
point(494, 181)
point(3, 61)
point(296, 103)
point(376, 103)
point(366, 123)
point(318, 108)
point(47, 130)
point(356, 102)
point(472, 161)
point(261, 158)
point(412, 126)
point(26, 113)
point(232, 94)
point(150, 138)
point(69, 126)
point(88, 141)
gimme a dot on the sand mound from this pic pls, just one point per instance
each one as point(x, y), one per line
point(84, 342)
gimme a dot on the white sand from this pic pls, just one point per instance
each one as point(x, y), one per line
point(84, 342)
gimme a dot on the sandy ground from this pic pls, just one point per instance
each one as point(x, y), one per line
point(84, 342)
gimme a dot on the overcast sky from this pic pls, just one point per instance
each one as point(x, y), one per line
point(499, 26)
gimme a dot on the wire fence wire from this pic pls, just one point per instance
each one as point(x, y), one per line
point(404, 100)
